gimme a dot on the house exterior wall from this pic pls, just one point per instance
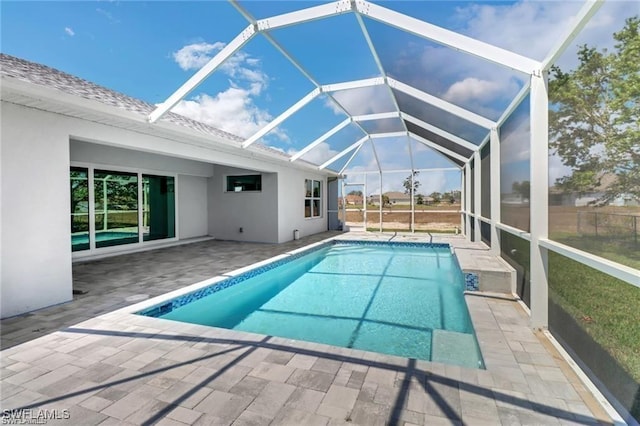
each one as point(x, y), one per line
point(35, 267)
point(291, 192)
point(193, 208)
point(256, 212)
point(35, 228)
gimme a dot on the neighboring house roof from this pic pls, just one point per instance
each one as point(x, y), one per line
point(395, 195)
point(42, 75)
point(606, 180)
point(354, 198)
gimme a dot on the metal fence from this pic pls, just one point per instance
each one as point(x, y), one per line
point(616, 226)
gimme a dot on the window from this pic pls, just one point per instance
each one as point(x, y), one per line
point(244, 183)
point(79, 208)
point(312, 198)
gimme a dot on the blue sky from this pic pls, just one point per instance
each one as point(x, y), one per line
point(148, 49)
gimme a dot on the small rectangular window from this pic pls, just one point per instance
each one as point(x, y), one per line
point(312, 198)
point(244, 183)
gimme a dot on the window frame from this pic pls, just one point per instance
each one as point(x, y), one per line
point(99, 251)
point(227, 182)
point(311, 196)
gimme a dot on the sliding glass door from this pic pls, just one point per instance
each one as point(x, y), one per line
point(159, 206)
point(111, 208)
point(116, 208)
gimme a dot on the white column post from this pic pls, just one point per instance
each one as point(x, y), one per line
point(140, 208)
point(477, 195)
point(413, 209)
point(344, 206)
point(462, 201)
point(467, 201)
point(539, 200)
point(494, 159)
point(92, 208)
point(105, 205)
point(380, 201)
point(364, 201)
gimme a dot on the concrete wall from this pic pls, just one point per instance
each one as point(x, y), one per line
point(137, 160)
point(35, 267)
point(193, 212)
point(291, 193)
point(255, 212)
point(35, 228)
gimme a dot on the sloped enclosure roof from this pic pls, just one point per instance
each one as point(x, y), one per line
point(384, 101)
point(374, 80)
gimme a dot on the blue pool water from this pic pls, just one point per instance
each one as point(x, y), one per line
point(386, 298)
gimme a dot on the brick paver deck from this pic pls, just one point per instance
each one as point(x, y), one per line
point(106, 366)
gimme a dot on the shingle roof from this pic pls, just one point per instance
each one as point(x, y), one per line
point(50, 77)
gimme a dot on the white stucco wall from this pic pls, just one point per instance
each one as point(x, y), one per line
point(35, 267)
point(193, 211)
point(35, 228)
point(291, 192)
point(254, 212)
point(138, 160)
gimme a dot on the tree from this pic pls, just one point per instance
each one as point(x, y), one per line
point(385, 200)
point(420, 199)
point(437, 197)
point(523, 188)
point(595, 114)
point(358, 193)
point(450, 196)
point(407, 183)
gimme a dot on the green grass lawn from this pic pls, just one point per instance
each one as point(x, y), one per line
point(607, 308)
point(626, 251)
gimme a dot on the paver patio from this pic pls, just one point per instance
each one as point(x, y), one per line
point(104, 365)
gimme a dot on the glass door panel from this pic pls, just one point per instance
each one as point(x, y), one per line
point(158, 207)
point(79, 179)
point(116, 208)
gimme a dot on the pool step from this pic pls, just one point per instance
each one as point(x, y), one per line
point(451, 347)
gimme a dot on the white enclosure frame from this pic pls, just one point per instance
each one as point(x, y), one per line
point(536, 87)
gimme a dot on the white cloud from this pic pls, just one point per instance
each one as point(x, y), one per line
point(69, 31)
point(474, 89)
point(515, 143)
point(361, 101)
point(317, 155)
point(196, 55)
point(234, 109)
point(530, 28)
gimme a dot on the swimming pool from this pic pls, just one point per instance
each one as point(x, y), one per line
point(402, 299)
